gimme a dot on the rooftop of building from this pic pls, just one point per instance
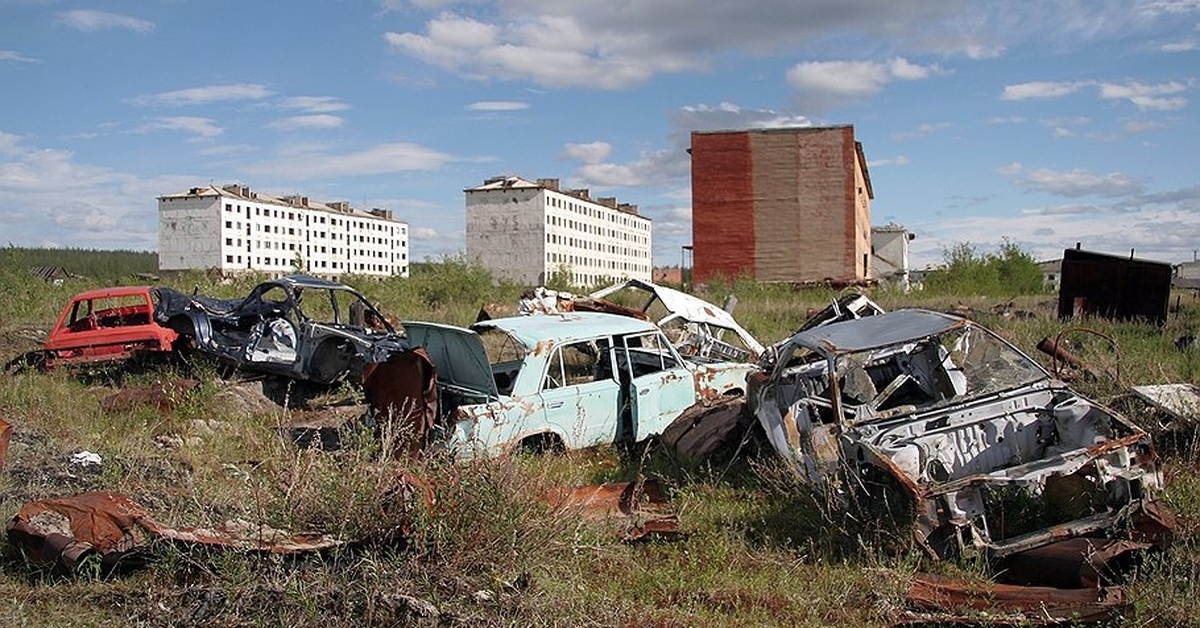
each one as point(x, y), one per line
point(297, 201)
point(518, 183)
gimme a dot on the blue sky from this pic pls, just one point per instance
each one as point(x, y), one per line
point(1046, 123)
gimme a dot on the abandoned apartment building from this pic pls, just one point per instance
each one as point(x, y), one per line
point(789, 205)
point(234, 229)
point(526, 231)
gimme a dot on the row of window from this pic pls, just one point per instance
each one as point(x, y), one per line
point(593, 211)
point(589, 245)
point(367, 225)
point(559, 221)
point(608, 264)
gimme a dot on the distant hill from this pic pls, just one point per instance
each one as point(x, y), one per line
point(108, 266)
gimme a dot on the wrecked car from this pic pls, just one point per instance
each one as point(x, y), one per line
point(298, 327)
point(103, 326)
point(996, 456)
point(698, 330)
point(565, 381)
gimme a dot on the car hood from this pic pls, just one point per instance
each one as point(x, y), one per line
point(457, 353)
point(687, 307)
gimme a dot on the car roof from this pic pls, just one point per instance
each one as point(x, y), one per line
point(566, 326)
point(308, 281)
point(115, 291)
point(880, 330)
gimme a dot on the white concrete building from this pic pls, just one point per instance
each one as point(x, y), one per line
point(527, 231)
point(233, 229)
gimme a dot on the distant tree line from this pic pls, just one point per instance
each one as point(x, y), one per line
point(108, 266)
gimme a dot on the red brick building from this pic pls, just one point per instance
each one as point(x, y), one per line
point(781, 205)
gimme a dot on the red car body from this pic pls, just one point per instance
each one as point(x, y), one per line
point(107, 325)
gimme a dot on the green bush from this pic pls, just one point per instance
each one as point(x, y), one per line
point(1007, 273)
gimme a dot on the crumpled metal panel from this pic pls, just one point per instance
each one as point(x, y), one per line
point(114, 528)
point(403, 391)
point(708, 322)
point(1180, 401)
point(640, 509)
point(961, 601)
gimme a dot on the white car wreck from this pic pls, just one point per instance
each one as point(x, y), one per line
point(996, 456)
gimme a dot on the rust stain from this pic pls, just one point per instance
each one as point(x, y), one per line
point(5, 435)
point(641, 508)
point(971, 601)
point(114, 528)
point(165, 396)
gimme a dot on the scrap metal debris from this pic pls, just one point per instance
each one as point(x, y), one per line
point(944, 600)
point(117, 531)
point(1180, 402)
point(640, 508)
point(5, 437)
point(165, 396)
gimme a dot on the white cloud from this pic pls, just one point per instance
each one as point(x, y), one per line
point(1159, 97)
point(204, 95)
point(1180, 46)
point(16, 57)
point(824, 84)
point(90, 21)
point(203, 127)
point(498, 105)
point(310, 163)
point(1074, 183)
point(671, 167)
point(315, 104)
point(921, 130)
point(589, 153)
point(1156, 226)
point(898, 160)
point(1041, 89)
point(48, 186)
point(316, 121)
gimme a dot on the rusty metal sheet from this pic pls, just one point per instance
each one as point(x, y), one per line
point(1083, 562)
point(640, 508)
point(1115, 287)
point(165, 396)
point(956, 600)
point(117, 530)
point(403, 392)
point(5, 436)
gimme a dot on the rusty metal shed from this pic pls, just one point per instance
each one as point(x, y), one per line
point(1115, 287)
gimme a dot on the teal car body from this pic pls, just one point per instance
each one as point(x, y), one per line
point(569, 380)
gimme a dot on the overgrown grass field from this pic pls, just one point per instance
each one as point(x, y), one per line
point(479, 544)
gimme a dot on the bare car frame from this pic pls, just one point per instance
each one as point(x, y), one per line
point(971, 429)
point(299, 327)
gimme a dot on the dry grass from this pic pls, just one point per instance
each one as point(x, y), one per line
point(476, 542)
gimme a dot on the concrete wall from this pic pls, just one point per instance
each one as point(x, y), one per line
point(506, 233)
point(187, 229)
